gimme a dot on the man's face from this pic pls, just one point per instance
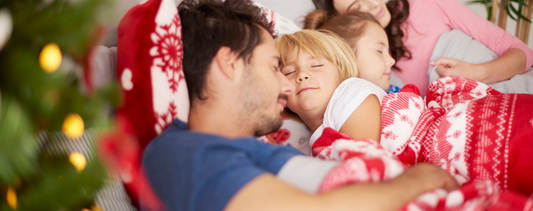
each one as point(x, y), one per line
point(264, 89)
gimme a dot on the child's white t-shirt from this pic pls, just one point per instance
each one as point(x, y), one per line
point(346, 98)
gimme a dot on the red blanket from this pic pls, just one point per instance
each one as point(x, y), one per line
point(482, 137)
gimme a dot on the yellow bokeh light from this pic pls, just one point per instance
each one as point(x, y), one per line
point(11, 198)
point(73, 126)
point(96, 208)
point(78, 161)
point(50, 58)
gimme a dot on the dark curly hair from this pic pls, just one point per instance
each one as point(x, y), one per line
point(208, 25)
point(399, 10)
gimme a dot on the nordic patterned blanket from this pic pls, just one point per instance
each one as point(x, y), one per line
point(482, 137)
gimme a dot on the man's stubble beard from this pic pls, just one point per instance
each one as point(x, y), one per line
point(255, 106)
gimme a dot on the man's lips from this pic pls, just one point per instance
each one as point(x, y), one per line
point(282, 102)
point(305, 89)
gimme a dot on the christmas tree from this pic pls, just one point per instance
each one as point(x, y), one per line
point(45, 85)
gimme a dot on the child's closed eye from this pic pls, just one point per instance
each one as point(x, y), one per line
point(288, 73)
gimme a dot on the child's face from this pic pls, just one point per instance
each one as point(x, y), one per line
point(373, 59)
point(315, 81)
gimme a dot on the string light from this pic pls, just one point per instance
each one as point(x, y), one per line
point(6, 26)
point(78, 161)
point(73, 126)
point(11, 198)
point(50, 58)
point(93, 208)
point(96, 208)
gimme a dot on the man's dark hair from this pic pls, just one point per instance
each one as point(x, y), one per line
point(208, 25)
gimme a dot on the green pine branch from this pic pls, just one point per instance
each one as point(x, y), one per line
point(32, 100)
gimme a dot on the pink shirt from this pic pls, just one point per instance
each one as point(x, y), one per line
point(428, 19)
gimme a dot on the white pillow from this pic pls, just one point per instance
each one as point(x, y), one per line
point(293, 10)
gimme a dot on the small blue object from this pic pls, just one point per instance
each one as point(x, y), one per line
point(393, 89)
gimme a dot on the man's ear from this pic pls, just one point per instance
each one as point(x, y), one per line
point(228, 62)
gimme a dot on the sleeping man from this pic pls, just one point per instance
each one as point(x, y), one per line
point(237, 92)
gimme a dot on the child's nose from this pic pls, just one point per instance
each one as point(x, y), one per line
point(303, 76)
point(390, 61)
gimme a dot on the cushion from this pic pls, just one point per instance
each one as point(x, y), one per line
point(292, 133)
point(149, 68)
point(149, 71)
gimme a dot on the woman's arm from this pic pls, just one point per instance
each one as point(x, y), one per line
point(511, 63)
point(365, 121)
point(505, 45)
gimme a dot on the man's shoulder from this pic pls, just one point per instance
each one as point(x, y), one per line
point(178, 138)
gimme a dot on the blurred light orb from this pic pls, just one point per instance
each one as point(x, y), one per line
point(50, 58)
point(96, 208)
point(93, 208)
point(73, 126)
point(11, 198)
point(78, 161)
point(6, 26)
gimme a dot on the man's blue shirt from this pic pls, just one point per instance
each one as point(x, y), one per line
point(196, 171)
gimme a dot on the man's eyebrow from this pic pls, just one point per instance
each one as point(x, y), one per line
point(348, 9)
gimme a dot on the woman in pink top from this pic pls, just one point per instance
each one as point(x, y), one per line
point(415, 26)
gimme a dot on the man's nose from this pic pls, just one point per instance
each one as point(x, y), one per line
point(286, 86)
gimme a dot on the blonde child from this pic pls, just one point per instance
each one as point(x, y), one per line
point(323, 68)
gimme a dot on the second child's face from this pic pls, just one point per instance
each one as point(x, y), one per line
point(315, 81)
point(373, 59)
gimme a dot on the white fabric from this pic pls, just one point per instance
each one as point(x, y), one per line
point(281, 24)
point(299, 137)
point(293, 10)
point(458, 45)
point(346, 98)
point(306, 173)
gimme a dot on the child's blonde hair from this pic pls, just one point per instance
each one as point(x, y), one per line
point(321, 44)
